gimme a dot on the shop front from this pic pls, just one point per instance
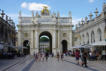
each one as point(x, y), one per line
point(100, 49)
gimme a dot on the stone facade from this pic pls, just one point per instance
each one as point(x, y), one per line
point(7, 31)
point(93, 30)
point(30, 28)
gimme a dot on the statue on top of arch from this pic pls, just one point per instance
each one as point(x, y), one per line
point(45, 11)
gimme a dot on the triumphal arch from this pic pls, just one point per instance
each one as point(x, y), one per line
point(58, 29)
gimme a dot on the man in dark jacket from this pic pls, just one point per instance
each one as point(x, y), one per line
point(84, 59)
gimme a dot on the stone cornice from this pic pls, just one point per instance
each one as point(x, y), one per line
point(90, 25)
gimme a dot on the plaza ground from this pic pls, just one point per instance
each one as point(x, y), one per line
point(69, 64)
point(14, 64)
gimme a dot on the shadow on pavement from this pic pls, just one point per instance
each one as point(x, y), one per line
point(27, 68)
point(89, 68)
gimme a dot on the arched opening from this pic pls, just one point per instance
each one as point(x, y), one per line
point(83, 39)
point(87, 38)
point(45, 42)
point(99, 34)
point(92, 37)
point(64, 46)
point(26, 49)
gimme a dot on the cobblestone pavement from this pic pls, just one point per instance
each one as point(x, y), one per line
point(8, 64)
point(92, 65)
point(5, 63)
point(69, 64)
point(21, 64)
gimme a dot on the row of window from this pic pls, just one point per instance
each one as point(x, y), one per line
point(99, 34)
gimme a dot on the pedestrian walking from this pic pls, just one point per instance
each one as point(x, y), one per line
point(62, 56)
point(39, 56)
point(36, 57)
point(58, 56)
point(34, 54)
point(77, 56)
point(52, 54)
point(43, 56)
point(47, 55)
point(84, 59)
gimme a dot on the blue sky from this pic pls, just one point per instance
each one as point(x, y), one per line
point(79, 8)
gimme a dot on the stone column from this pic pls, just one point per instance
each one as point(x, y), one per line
point(31, 43)
point(89, 37)
point(36, 41)
point(58, 42)
point(70, 41)
point(54, 42)
point(19, 38)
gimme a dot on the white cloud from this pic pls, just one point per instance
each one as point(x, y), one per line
point(24, 5)
point(33, 6)
point(91, 1)
point(75, 21)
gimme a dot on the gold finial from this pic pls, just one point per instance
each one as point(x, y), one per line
point(45, 10)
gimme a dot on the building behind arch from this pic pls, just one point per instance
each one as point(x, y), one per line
point(92, 31)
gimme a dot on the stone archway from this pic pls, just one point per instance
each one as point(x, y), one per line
point(64, 46)
point(49, 36)
point(45, 24)
point(26, 49)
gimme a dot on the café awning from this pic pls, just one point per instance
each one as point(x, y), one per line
point(83, 46)
point(100, 43)
point(78, 46)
